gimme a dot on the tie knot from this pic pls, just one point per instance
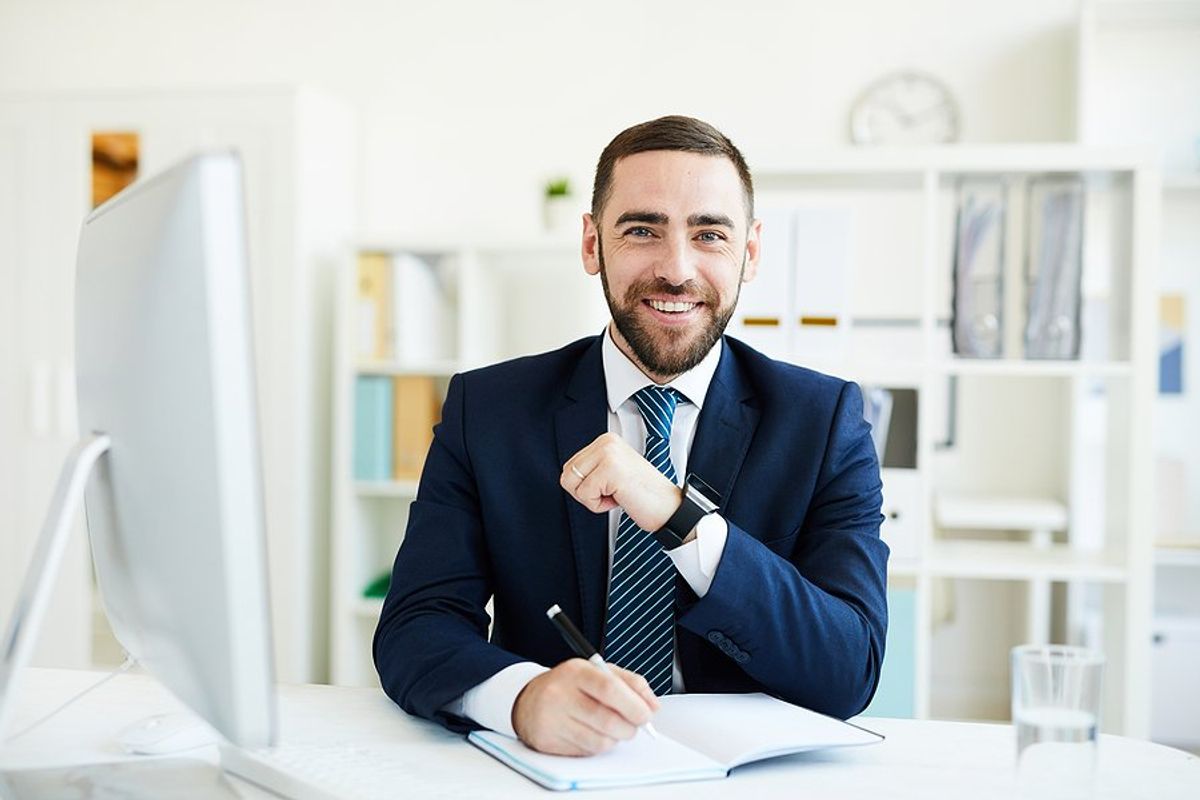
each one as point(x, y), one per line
point(657, 405)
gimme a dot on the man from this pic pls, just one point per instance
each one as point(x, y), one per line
point(556, 479)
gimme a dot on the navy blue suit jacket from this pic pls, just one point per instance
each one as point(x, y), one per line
point(797, 607)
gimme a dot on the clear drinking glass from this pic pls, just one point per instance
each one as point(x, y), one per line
point(1056, 712)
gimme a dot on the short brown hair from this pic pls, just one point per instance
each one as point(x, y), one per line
point(678, 133)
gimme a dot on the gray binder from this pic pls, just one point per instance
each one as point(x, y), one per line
point(977, 327)
point(1053, 268)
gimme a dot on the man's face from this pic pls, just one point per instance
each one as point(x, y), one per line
point(672, 248)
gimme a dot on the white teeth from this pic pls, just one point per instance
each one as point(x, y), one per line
point(671, 307)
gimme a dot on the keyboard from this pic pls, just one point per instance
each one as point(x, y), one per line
point(322, 772)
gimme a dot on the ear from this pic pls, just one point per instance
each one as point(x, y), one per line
point(591, 244)
point(753, 249)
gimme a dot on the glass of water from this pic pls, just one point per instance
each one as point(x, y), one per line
point(1056, 711)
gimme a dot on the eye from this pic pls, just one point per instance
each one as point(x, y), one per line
point(710, 237)
point(639, 232)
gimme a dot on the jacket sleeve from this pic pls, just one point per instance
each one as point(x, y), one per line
point(809, 625)
point(431, 644)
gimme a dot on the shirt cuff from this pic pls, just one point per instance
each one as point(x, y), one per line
point(697, 561)
point(490, 703)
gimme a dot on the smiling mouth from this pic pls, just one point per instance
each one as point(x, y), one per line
point(672, 306)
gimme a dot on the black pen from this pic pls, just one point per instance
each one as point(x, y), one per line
point(583, 648)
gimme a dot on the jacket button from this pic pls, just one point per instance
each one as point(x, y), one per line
point(715, 637)
point(742, 657)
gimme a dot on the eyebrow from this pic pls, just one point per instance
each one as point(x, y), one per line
point(649, 217)
point(699, 220)
point(658, 218)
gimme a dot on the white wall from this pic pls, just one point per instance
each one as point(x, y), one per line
point(466, 105)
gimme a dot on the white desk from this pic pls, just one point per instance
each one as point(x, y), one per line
point(920, 759)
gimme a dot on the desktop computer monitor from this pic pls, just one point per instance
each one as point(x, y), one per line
point(167, 409)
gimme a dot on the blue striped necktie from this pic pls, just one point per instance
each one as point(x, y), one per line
point(639, 634)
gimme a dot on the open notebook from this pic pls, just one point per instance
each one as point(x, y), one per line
point(701, 737)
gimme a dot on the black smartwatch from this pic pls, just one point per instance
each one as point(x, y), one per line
point(699, 499)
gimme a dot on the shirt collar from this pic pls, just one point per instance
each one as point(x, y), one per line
point(622, 378)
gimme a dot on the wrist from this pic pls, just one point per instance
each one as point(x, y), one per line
point(672, 498)
point(516, 718)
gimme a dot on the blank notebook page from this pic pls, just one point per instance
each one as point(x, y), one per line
point(737, 728)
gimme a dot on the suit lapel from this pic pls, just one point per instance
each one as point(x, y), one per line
point(723, 434)
point(583, 417)
point(725, 428)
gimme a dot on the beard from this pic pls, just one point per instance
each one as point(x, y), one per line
point(666, 351)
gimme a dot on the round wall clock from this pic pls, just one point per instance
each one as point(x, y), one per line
point(905, 108)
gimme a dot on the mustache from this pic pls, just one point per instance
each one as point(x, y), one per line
point(662, 286)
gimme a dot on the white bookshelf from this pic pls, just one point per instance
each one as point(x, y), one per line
point(1138, 74)
point(502, 307)
point(902, 204)
point(897, 337)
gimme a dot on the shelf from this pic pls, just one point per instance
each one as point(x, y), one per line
point(900, 371)
point(1021, 561)
point(1018, 368)
point(385, 488)
point(1000, 513)
point(437, 368)
point(1177, 553)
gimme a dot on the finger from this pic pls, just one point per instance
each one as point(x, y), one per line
point(601, 719)
point(613, 692)
point(639, 685)
point(594, 492)
point(586, 739)
point(576, 470)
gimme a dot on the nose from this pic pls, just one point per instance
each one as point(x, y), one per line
point(678, 263)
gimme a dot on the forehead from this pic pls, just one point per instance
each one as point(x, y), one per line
point(677, 183)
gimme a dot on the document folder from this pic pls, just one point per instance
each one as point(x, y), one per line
point(978, 316)
point(1054, 269)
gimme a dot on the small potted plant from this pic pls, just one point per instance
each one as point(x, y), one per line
point(558, 207)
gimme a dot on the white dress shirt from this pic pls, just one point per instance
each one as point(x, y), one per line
point(490, 703)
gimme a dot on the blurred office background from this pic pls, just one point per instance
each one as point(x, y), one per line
point(415, 175)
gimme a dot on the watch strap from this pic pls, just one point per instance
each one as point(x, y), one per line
point(694, 506)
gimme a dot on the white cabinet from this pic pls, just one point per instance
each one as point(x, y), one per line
point(298, 150)
point(902, 515)
point(1176, 702)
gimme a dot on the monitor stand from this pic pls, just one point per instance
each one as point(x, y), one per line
point(17, 645)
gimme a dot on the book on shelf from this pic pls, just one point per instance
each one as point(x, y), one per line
point(373, 409)
point(1054, 269)
point(422, 310)
point(374, 307)
point(700, 737)
point(977, 326)
point(416, 410)
point(823, 257)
